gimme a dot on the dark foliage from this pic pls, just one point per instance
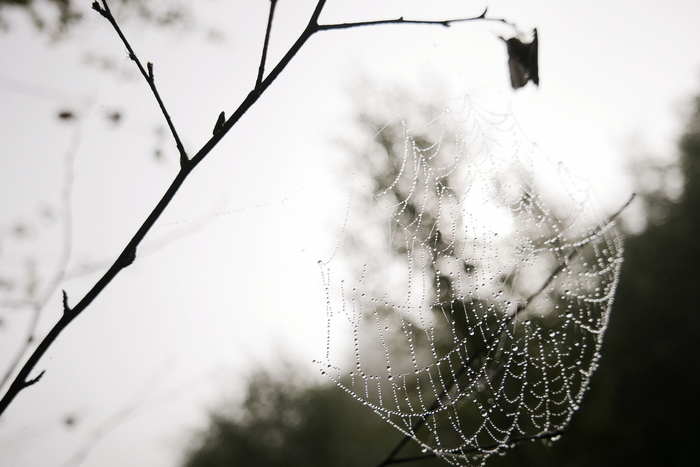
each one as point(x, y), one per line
point(642, 407)
point(285, 423)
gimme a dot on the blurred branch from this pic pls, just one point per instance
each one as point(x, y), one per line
point(40, 91)
point(488, 345)
point(130, 409)
point(115, 420)
point(67, 220)
point(128, 255)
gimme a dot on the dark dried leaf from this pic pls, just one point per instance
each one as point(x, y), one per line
point(522, 61)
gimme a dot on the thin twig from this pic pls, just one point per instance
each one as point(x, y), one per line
point(487, 344)
point(128, 255)
point(141, 403)
point(401, 20)
point(148, 75)
point(34, 380)
point(261, 69)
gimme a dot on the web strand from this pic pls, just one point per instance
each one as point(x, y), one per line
point(475, 277)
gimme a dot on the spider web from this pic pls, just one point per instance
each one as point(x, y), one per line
point(473, 281)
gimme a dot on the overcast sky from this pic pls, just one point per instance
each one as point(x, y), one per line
point(228, 279)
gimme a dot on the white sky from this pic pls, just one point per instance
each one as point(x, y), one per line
point(241, 286)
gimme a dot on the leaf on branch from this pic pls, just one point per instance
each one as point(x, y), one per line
point(522, 61)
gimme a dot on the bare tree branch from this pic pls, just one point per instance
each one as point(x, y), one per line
point(140, 403)
point(261, 70)
point(128, 255)
point(401, 20)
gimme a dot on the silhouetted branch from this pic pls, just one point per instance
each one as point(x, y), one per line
point(401, 20)
point(115, 420)
point(261, 69)
point(128, 255)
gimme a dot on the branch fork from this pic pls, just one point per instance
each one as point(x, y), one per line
point(187, 164)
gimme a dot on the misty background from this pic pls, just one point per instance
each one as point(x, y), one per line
point(227, 283)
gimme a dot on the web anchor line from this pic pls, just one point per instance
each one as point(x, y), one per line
point(390, 459)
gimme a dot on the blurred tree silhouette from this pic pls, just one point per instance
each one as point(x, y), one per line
point(283, 422)
point(57, 17)
point(642, 407)
point(645, 409)
point(286, 422)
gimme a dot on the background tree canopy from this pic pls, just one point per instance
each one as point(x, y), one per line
point(56, 17)
point(640, 409)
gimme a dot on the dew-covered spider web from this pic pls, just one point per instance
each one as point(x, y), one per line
point(471, 285)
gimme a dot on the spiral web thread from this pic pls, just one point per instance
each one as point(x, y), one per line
point(473, 280)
